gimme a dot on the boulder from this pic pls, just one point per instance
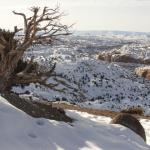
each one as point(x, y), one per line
point(130, 122)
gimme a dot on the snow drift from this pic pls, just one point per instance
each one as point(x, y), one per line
point(88, 132)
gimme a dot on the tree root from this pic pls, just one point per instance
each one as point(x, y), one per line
point(37, 109)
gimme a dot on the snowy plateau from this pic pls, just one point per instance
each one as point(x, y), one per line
point(87, 81)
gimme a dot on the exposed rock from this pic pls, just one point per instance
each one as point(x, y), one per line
point(116, 56)
point(143, 72)
point(107, 55)
point(125, 59)
point(130, 122)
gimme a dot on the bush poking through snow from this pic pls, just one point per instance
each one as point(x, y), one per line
point(135, 110)
point(130, 122)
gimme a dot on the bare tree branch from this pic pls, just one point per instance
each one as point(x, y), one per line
point(44, 26)
point(24, 17)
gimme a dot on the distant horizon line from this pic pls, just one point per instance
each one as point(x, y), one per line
point(125, 31)
point(92, 30)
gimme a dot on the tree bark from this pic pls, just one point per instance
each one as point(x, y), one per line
point(37, 109)
point(42, 26)
point(7, 68)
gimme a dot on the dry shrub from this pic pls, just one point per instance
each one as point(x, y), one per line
point(134, 110)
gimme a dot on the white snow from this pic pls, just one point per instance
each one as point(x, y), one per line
point(136, 51)
point(112, 86)
point(18, 131)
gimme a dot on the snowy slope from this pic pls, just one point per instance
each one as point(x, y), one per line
point(113, 86)
point(136, 51)
point(109, 85)
point(88, 132)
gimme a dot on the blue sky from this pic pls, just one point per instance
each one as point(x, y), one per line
point(127, 15)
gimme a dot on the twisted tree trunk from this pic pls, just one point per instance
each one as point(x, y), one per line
point(42, 26)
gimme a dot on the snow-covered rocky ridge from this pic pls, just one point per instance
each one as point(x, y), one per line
point(137, 51)
point(133, 53)
point(88, 132)
point(93, 82)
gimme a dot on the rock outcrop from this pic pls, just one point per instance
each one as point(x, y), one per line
point(143, 72)
point(117, 56)
point(130, 122)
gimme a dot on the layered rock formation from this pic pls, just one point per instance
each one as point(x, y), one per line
point(143, 72)
point(118, 56)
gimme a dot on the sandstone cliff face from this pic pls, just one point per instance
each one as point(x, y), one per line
point(117, 56)
point(143, 72)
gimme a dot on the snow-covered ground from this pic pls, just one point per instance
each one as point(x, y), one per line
point(88, 132)
point(109, 85)
point(113, 86)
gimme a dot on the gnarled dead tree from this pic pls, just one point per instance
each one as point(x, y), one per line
point(42, 26)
